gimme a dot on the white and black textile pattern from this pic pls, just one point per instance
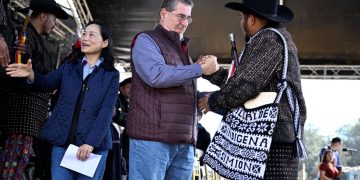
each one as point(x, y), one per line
point(241, 144)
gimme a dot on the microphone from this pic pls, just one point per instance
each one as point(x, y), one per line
point(350, 150)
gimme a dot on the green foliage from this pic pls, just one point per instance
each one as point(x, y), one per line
point(351, 140)
point(350, 135)
point(313, 143)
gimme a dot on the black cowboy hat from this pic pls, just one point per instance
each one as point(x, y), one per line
point(49, 6)
point(268, 9)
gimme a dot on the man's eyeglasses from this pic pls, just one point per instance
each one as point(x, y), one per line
point(182, 17)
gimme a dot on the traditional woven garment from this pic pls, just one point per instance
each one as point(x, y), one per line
point(6, 31)
point(281, 163)
point(17, 153)
point(6, 27)
point(2, 15)
point(259, 71)
point(26, 113)
point(27, 110)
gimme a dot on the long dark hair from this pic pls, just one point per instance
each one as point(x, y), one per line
point(324, 157)
point(107, 52)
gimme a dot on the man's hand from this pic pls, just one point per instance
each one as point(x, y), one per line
point(201, 60)
point(83, 152)
point(21, 70)
point(203, 104)
point(210, 66)
point(4, 53)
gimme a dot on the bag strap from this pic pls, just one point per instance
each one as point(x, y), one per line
point(282, 85)
point(292, 99)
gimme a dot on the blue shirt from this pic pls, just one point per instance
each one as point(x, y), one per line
point(86, 66)
point(151, 67)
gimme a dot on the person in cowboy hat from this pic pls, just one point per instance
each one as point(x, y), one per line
point(259, 70)
point(27, 110)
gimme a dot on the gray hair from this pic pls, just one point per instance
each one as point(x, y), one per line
point(170, 5)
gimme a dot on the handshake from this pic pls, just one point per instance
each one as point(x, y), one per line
point(208, 63)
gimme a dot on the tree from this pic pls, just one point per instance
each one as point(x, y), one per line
point(351, 140)
point(313, 143)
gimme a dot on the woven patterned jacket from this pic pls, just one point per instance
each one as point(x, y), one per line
point(7, 32)
point(27, 110)
point(6, 26)
point(259, 71)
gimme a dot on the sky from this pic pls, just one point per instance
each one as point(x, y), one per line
point(64, 2)
point(330, 105)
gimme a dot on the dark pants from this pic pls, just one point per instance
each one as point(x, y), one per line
point(115, 163)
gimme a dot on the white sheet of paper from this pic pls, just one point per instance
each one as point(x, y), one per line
point(86, 168)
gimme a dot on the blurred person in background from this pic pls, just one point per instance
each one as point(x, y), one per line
point(334, 147)
point(327, 168)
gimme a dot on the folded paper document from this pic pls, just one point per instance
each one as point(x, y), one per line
point(86, 168)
